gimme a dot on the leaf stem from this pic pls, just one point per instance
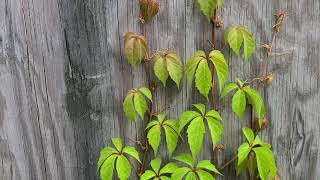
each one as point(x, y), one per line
point(228, 162)
point(214, 46)
point(151, 108)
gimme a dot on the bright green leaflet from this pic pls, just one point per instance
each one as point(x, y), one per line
point(160, 69)
point(243, 152)
point(195, 132)
point(220, 65)
point(192, 65)
point(175, 69)
point(207, 7)
point(185, 158)
point(239, 103)
point(203, 175)
point(123, 167)
point(180, 173)
point(203, 78)
point(104, 154)
point(106, 171)
point(154, 138)
point(206, 164)
point(228, 88)
point(265, 162)
point(215, 128)
point(140, 104)
point(248, 133)
point(256, 101)
point(128, 108)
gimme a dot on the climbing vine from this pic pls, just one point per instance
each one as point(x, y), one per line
point(255, 156)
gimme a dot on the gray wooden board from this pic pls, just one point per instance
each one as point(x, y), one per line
point(63, 79)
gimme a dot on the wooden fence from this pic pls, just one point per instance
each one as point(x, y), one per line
point(63, 79)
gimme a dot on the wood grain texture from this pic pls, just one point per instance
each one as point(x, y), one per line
point(63, 79)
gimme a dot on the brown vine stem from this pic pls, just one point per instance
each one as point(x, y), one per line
point(214, 46)
point(151, 108)
point(279, 18)
point(228, 162)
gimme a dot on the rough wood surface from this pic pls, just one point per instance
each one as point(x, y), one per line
point(63, 79)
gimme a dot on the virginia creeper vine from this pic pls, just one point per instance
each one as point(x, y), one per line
point(253, 155)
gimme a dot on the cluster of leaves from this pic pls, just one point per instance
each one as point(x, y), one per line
point(198, 66)
point(252, 155)
point(244, 95)
point(170, 128)
point(135, 103)
point(165, 64)
point(256, 153)
point(207, 7)
point(196, 128)
point(157, 172)
point(135, 48)
point(192, 171)
point(235, 36)
point(110, 156)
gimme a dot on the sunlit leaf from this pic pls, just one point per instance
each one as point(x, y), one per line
point(203, 78)
point(221, 66)
point(195, 131)
point(239, 103)
point(123, 167)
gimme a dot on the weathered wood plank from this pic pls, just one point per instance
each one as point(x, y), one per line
point(64, 77)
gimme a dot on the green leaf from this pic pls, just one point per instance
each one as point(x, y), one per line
point(235, 39)
point(206, 7)
point(104, 154)
point(248, 133)
point(191, 176)
point(215, 128)
point(192, 65)
point(239, 103)
point(221, 67)
point(123, 167)
point(171, 133)
point(186, 117)
point(230, 87)
point(203, 78)
point(147, 175)
point(140, 104)
point(256, 101)
point(257, 141)
point(214, 114)
point(155, 164)
point(203, 175)
point(128, 108)
point(201, 108)
point(206, 164)
point(106, 171)
point(168, 169)
point(235, 36)
point(152, 123)
point(174, 67)
point(248, 44)
point(135, 48)
point(117, 143)
point(243, 152)
point(154, 137)
point(164, 178)
point(146, 92)
point(265, 162)
point(185, 158)
point(195, 131)
point(160, 69)
point(180, 173)
point(132, 152)
point(161, 117)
